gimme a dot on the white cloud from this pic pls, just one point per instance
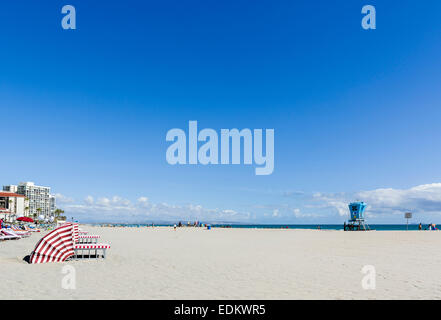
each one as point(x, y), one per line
point(89, 200)
point(143, 199)
point(62, 198)
point(336, 201)
point(423, 199)
point(105, 202)
point(117, 208)
point(293, 193)
point(299, 214)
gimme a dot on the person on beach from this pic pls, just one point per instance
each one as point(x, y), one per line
point(420, 227)
point(174, 227)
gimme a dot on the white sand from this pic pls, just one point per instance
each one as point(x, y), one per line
point(189, 263)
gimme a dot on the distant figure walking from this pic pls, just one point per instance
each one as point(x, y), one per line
point(420, 227)
point(175, 227)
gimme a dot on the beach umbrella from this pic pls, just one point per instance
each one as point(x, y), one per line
point(25, 219)
point(56, 246)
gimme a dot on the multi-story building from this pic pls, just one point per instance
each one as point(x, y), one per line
point(38, 199)
point(10, 188)
point(12, 205)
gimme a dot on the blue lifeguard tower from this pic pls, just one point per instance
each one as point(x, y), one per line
point(356, 221)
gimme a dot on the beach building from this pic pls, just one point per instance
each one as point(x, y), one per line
point(38, 198)
point(12, 205)
point(10, 188)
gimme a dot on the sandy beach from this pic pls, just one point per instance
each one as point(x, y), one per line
point(194, 263)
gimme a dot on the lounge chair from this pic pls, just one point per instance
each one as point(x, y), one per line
point(9, 235)
point(31, 229)
point(90, 248)
point(3, 238)
point(83, 248)
point(87, 239)
point(20, 232)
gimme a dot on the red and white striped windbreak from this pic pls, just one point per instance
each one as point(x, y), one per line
point(75, 233)
point(56, 246)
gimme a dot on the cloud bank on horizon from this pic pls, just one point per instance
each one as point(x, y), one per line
point(384, 205)
point(118, 209)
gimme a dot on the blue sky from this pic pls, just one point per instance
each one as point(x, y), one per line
point(356, 112)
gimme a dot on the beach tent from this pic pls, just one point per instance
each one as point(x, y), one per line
point(56, 246)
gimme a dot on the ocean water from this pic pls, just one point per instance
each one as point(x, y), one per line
point(378, 227)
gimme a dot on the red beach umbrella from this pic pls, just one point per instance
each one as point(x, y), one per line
point(25, 219)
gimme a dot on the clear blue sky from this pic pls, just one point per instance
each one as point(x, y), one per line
point(86, 111)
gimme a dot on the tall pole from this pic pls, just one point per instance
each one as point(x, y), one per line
point(407, 215)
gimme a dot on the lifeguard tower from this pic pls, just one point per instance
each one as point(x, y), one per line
point(356, 221)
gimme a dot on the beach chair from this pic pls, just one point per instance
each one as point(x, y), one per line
point(88, 239)
point(3, 238)
point(9, 235)
point(31, 229)
point(88, 248)
point(9, 232)
point(20, 232)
